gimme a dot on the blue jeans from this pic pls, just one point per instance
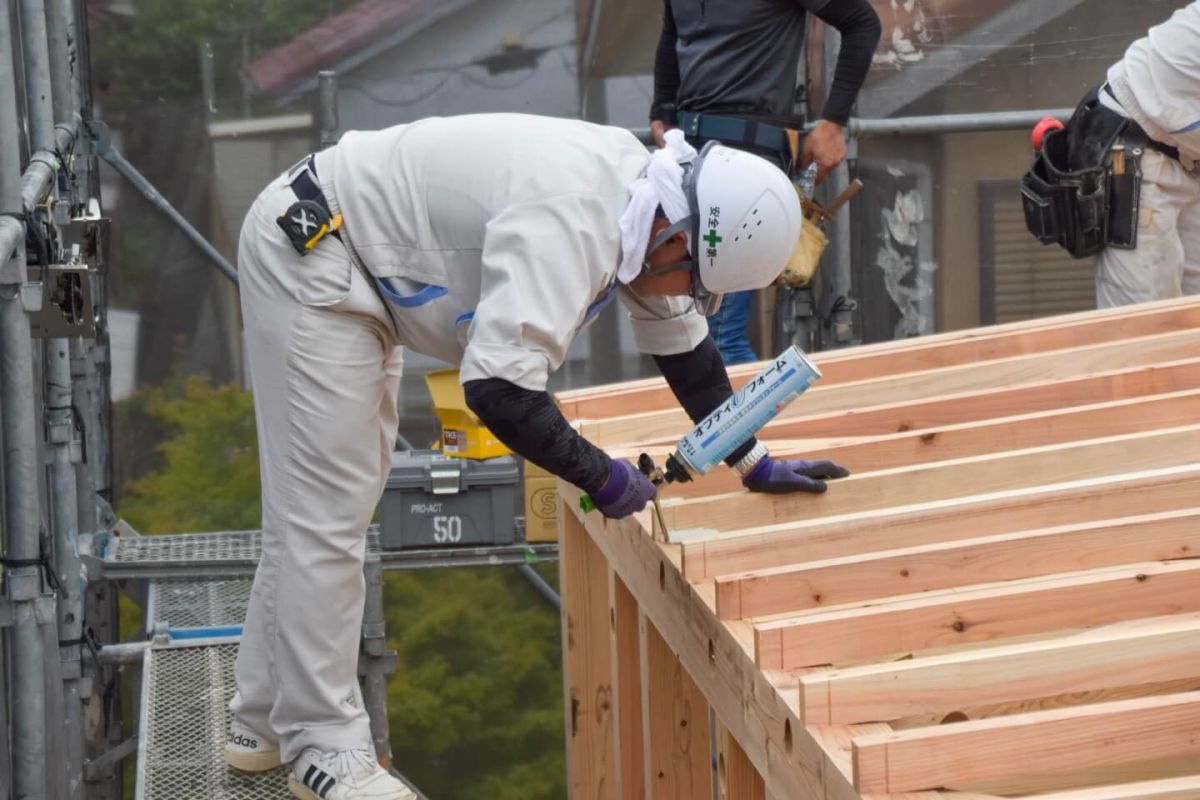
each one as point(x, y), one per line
point(728, 328)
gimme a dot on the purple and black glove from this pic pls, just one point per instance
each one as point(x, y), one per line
point(780, 476)
point(626, 492)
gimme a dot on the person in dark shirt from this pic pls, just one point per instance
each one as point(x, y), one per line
point(726, 70)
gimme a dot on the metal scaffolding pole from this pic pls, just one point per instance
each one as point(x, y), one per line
point(18, 417)
point(93, 482)
point(539, 583)
point(61, 425)
point(50, 92)
point(937, 124)
point(376, 662)
point(5, 763)
point(327, 108)
point(139, 181)
point(838, 273)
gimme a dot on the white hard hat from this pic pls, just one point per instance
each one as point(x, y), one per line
point(745, 221)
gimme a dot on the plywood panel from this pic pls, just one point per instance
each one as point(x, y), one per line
point(678, 754)
point(587, 682)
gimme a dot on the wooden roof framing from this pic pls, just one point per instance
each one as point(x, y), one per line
point(1002, 601)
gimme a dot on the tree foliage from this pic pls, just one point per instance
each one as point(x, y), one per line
point(476, 701)
point(153, 54)
point(209, 474)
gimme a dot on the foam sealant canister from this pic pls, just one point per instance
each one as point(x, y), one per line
point(747, 411)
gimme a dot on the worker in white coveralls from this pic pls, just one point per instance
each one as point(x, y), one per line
point(1145, 118)
point(1157, 86)
point(488, 241)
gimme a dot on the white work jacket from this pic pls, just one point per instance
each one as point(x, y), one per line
point(1158, 82)
point(496, 237)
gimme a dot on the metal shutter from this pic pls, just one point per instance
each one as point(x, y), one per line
point(1021, 278)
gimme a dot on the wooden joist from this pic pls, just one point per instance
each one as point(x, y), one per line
point(872, 453)
point(665, 426)
point(1003, 601)
point(981, 404)
point(993, 611)
point(970, 753)
point(942, 480)
point(1158, 651)
point(1185, 788)
point(1090, 500)
point(931, 352)
point(855, 579)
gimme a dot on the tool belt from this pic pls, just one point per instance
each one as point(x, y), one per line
point(308, 220)
point(1084, 191)
point(743, 133)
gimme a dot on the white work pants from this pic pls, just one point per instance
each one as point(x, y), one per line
point(1166, 261)
point(325, 370)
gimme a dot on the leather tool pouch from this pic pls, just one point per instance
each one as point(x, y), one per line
point(1072, 197)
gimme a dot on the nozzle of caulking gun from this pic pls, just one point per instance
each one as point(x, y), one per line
point(658, 477)
point(645, 464)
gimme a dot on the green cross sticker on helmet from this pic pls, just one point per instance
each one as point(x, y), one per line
point(753, 213)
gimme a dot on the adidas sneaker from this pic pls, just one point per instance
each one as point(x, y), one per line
point(344, 775)
point(249, 751)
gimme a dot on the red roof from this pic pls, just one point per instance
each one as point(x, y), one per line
point(330, 41)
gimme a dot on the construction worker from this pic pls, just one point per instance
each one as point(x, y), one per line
point(487, 241)
point(726, 70)
point(1122, 180)
point(1156, 86)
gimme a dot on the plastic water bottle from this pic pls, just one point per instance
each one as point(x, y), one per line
point(807, 182)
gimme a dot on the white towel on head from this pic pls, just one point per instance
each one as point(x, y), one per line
point(662, 186)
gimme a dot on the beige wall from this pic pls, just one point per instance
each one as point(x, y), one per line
point(968, 160)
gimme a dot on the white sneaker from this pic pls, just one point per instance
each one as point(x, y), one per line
point(249, 751)
point(344, 775)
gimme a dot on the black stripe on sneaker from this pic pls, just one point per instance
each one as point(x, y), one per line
point(325, 790)
point(308, 774)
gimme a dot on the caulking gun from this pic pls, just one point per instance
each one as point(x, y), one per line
point(707, 444)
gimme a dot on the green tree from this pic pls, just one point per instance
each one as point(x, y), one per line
point(476, 701)
point(208, 478)
point(152, 55)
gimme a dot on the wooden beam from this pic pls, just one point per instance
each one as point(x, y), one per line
point(943, 480)
point(982, 404)
point(646, 427)
point(1158, 651)
point(766, 724)
point(629, 744)
point(678, 735)
point(928, 352)
point(1089, 500)
point(987, 613)
point(737, 779)
point(1185, 788)
point(871, 453)
point(1027, 554)
point(837, 741)
point(964, 753)
point(587, 665)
